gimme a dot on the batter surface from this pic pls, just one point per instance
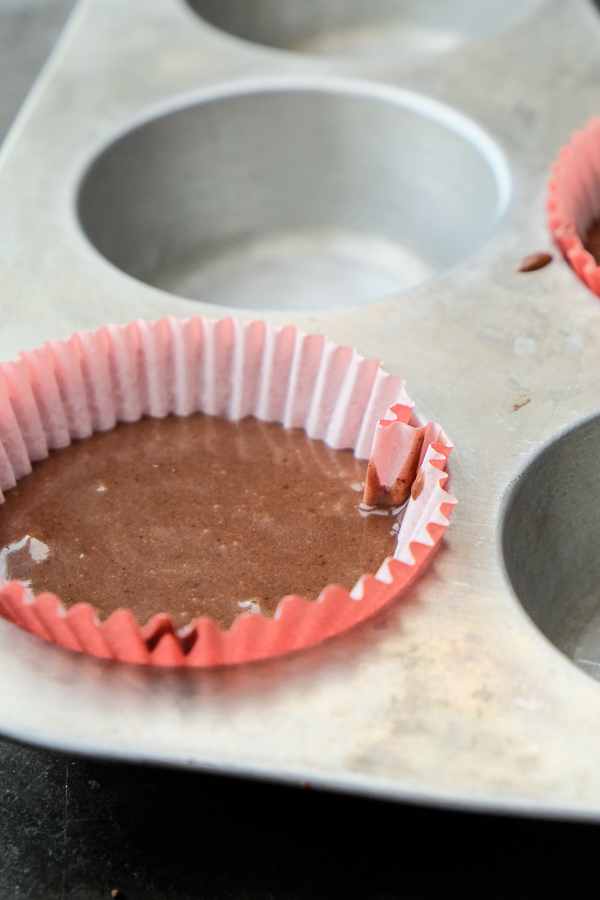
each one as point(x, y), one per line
point(592, 241)
point(192, 516)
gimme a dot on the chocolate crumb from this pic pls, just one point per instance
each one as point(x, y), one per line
point(534, 261)
point(305, 785)
point(520, 405)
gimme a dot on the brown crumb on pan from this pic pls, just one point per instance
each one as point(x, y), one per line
point(305, 785)
point(534, 261)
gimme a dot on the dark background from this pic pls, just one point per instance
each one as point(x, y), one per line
point(77, 829)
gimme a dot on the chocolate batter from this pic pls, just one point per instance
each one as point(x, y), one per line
point(192, 516)
point(592, 241)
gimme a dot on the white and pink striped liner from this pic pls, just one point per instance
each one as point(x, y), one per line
point(574, 200)
point(232, 368)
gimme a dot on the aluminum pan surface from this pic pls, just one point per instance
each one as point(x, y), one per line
point(451, 695)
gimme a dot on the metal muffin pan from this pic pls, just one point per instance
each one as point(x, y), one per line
point(380, 189)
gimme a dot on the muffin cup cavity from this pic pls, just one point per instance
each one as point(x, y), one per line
point(550, 545)
point(310, 194)
point(361, 29)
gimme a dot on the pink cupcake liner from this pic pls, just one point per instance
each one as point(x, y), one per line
point(574, 200)
point(231, 368)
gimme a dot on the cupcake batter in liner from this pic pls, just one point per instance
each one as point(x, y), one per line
point(231, 369)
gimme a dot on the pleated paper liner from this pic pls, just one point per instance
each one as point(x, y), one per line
point(574, 201)
point(230, 368)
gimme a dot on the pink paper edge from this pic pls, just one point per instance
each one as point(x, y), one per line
point(570, 166)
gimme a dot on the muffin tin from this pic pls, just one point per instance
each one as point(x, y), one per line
point(378, 179)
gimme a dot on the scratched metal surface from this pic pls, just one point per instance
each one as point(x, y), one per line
point(451, 696)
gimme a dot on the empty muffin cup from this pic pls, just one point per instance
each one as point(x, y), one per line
point(550, 544)
point(363, 28)
point(308, 195)
point(66, 399)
